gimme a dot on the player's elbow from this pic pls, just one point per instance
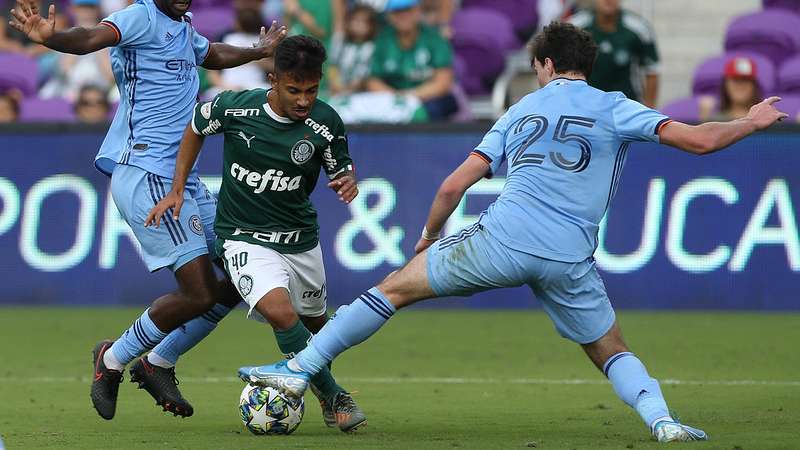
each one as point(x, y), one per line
point(451, 188)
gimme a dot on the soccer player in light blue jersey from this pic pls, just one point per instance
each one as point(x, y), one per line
point(565, 146)
point(155, 54)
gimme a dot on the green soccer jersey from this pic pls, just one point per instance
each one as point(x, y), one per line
point(270, 167)
point(403, 68)
point(623, 56)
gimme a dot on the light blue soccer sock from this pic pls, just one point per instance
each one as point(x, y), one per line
point(351, 325)
point(183, 338)
point(142, 336)
point(635, 387)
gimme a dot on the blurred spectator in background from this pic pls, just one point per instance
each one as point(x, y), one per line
point(7, 44)
point(738, 93)
point(412, 58)
point(109, 6)
point(627, 58)
point(318, 18)
point(351, 54)
point(74, 71)
point(246, 31)
point(92, 105)
point(550, 10)
point(439, 14)
point(9, 107)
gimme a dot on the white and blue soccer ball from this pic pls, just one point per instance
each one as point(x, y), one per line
point(267, 411)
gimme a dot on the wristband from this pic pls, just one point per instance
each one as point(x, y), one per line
point(428, 236)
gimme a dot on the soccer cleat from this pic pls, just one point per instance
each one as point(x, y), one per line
point(327, 408)
point(673, 431)
point(105, 384)
point(349, 417)
point(162, 385)
point(277, 376)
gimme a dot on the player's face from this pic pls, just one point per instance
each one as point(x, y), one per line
point(295, 97)
point(174, 8)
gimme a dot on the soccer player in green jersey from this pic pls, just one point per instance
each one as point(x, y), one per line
point(276, 142)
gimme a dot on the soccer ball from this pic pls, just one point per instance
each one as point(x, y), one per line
point(266, 410)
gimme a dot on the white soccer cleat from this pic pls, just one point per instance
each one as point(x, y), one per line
point(671, 431)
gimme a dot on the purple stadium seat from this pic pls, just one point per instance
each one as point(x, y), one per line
point(470, 83)
point(789, 76)
point(772, 33)
point(683, 110)
point(212, 22)
point(464, 114)
point(791, 5)
point(52, 110)
point(523, 14)
point(485, 24)
point(708, 75)
point(18, 72)
point(790, 104)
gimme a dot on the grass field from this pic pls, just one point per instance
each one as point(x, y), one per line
point(430, 379)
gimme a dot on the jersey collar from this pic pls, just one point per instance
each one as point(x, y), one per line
point(559, 80)
point(270, 112)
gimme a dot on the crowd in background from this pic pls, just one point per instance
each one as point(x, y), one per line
point(394, 56)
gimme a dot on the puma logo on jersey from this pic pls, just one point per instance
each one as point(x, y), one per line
point(243, 136)
point(271, 179)
point(322, 130)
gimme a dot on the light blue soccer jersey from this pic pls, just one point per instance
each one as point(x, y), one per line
point(155, 65)
point(565, 146)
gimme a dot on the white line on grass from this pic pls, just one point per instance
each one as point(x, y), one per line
point(440, 380)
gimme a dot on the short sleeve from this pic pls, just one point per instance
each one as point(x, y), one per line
point(132, 25)
point(636, 122)
point(336, 156)
point(442, 52)
point(201, 46)
point(208, 117)
point(492, 147)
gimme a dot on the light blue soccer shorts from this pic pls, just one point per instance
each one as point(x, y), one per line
point(175, 242)
point(572, 294)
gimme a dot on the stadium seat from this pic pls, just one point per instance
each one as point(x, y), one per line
point(791, 5)
point(683, 110)
point(19, 72)
point(485, 24)
point(789, 76)
point(708, 75)
point(212, 22)
point(481, 38)
point(470, 83)
point(51, 110)
point(772, 33)
point(523, 14)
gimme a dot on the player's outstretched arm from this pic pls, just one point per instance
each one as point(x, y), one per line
point(449, 196)
point(78, 41)
point(224, 56)
point(187, 156)
point(712, 136)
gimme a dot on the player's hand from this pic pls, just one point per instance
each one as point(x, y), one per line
point(765, 113)
point(422, 244)
point(269, 39)
point(345, 187)
point(173, 201)
point(26, 19)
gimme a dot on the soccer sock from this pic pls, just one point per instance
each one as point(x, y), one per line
point(183, 338)
point(635, 387)
point(351, 325)
point(295, 339)
point(140, 337)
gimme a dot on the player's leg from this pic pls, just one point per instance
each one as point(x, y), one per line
point(574, 297)
point(135, 191)
point(184, 338)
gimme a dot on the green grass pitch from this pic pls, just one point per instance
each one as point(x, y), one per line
point(430, 379)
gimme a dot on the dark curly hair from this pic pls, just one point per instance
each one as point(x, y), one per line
point(301, 57)
point(570, 48)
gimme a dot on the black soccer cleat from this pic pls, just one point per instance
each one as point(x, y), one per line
point(105, 386)
point(162, 385)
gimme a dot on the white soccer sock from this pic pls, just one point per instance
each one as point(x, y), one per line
point(112, 362)
point(157, 360)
